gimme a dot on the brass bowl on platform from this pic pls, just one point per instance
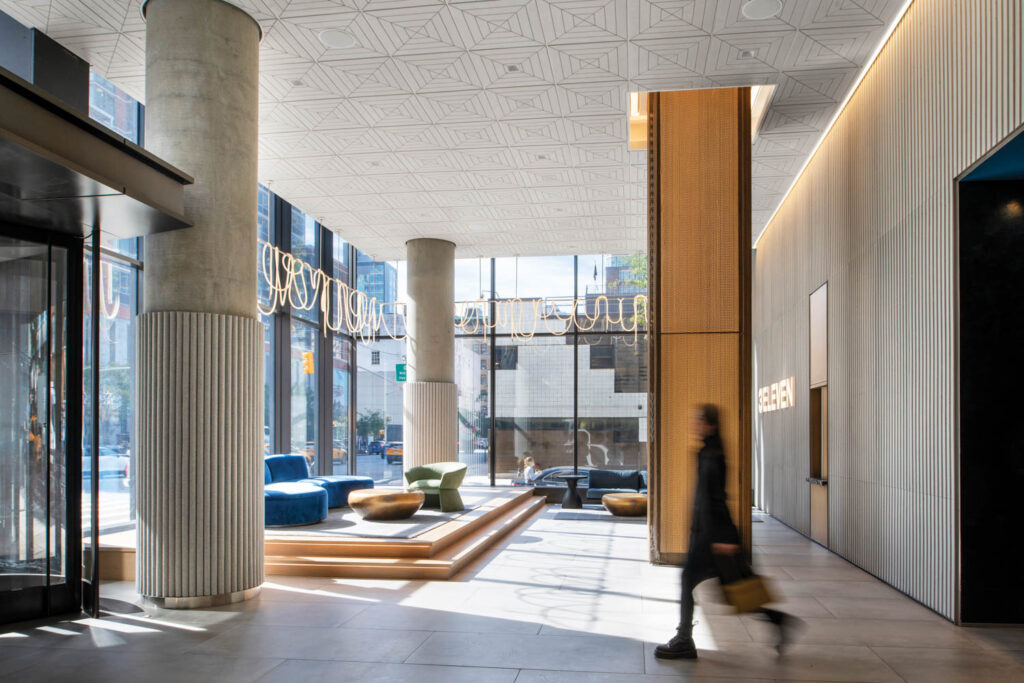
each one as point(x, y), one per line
point(374, 504)
point(625, 504)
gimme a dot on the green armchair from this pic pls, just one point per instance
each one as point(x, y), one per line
point(440, 483)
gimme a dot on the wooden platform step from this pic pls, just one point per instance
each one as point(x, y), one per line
point(427, 544)
point(444, 562)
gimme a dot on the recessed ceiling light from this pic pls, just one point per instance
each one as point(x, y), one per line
point(298, 82)
point(333, 38)
point(758, 10)
point(747, 54)
point(542, 157)
point(512, 68)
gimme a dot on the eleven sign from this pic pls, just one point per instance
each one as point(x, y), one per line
point(776, 396)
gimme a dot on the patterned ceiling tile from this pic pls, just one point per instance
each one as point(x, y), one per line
point(669, 19)
point(500, 124)
point(842, 13)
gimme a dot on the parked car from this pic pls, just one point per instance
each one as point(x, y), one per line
point(338, 453)
point(376, 448)
point(393, 452)
point(548, 478)
point(112, 463)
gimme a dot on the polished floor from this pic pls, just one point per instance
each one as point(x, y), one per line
point(567, 598)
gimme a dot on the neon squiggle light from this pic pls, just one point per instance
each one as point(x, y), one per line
point(293, 281)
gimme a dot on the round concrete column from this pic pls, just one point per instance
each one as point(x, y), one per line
point(202, 112)
point(430, 401)
point(200, 412)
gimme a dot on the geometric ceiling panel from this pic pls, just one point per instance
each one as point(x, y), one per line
point(501, 125)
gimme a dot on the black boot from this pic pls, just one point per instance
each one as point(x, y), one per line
point(680, 647)
point(787, 625)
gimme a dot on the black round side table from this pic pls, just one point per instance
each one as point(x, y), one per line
point(572, 501)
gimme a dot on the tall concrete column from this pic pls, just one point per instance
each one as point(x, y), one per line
point(200, 407)
point(430, 410)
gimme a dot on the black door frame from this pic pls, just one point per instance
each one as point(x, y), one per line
point(41, 601)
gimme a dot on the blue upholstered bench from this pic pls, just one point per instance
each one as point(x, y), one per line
point(292, 469)
point(288, 503)
point(615, 481)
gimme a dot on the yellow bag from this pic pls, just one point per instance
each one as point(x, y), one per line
point(748, 594)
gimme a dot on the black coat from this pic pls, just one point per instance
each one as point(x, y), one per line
point(711, 520)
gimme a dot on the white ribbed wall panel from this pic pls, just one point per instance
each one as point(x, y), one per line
point(200, 454)
point(873, 214)
point(430, 413)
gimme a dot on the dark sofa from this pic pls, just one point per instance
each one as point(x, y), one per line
point(615, 481)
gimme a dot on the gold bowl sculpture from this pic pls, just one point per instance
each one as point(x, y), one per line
point(375, 504)
point(625, 504)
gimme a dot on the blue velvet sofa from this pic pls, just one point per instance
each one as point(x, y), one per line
point(615, 481)
point(291, 496)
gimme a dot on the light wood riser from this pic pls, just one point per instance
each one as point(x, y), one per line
point(428, 544)
point(440, 568)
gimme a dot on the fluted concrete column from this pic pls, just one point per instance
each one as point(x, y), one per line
point(200, 412)
point(430, 401)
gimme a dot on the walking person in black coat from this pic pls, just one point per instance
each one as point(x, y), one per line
point(712, 534)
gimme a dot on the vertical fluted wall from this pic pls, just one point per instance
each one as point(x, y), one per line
point(200, 464)
point(430, 416)
point(874, 216)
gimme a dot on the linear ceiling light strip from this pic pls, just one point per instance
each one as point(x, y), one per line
point(860, 77)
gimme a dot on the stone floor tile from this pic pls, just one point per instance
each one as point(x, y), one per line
point(997, 637)
point(941, 665)
point(896, 607)
point(422, 619)
point(103, 666)
point(313, 671)
point(537, 676)
point(914, 633)
point(843, 572)
point(567, 653)
point(290, 642)
point(802, 662)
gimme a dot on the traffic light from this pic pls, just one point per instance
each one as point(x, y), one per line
point(307, 362)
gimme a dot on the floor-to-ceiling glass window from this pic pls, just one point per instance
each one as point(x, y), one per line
point(533, 385)
point(611, 382)
point(341, 366)
point(119, 302)
point(119, 305)
point(304, 359)
point(472, 379)
point(473, 367)
point(265, 234)
point(379, 381)
point(535, 394)
point(612, 405)
point(304, 399)
point(379, 409)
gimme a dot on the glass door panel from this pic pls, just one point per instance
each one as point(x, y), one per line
point(34, 426)
point(24, 514)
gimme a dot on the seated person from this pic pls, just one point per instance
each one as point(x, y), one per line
point(530, 469)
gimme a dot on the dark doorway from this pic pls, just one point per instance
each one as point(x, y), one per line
point(40, 424)
point(991, 234)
